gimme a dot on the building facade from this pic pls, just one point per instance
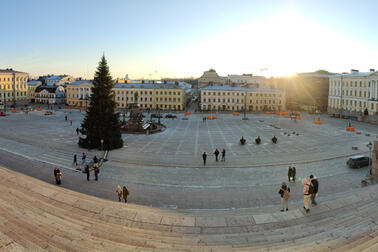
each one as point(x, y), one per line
point(32, 85)
point(151, 95)
point(50, 95)
point(231, 98)
point(78, 93)
point(351, 94)
point(13, 87)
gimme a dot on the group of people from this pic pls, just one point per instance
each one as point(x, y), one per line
point(96, 165)
point(216, 154)
point(310, 191)
point(122, 193)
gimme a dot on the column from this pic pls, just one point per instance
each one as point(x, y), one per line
point(371, 89)
point(376, 89)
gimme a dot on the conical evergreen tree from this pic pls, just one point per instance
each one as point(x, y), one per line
point(102, 120)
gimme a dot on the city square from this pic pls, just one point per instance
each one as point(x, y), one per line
point(162, 169)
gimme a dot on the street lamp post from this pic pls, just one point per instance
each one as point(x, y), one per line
point(102, 144)
point(370, 146)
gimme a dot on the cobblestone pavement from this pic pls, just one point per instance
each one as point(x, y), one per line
point(166, 170)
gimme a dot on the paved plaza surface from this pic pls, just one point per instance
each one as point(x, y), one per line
point(166, 169)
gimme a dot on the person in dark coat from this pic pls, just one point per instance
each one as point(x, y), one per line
point(87, 171)
point(223, 155)
point(65, 118)
point(315, 185)
point(74, 163)
point(204, 156)
point(125, 193)
point(77, 131)
point(95, 159)
point(216, 153)
point(58, 176)
point(285, 195)
point(290, 174)
point(294, 173)
point(96, 171)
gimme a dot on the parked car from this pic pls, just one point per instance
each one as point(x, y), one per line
point(156, 116)
point(49, 113)
point(2, 114)
point(358, 161)
point(170, 116)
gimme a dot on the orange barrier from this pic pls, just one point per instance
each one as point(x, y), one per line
point(14, 110)
point(214, 117)
point(236, 113)
point(350, 128)
point(268, 112)
point(83, 108)
point(68, 107)
point(39, 109)
point(187, 113)
point(318, 122)
point(298, 117)
point(284, 113)
point(211, 117)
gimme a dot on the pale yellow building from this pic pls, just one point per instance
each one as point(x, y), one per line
point(350, 94)
point(230, 98)
point(151, 95)
point(78, 93)
point(13, 87)
point(32, 85)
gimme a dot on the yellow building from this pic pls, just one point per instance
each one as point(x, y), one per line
point(32, 85)
point(230, 98)
point(78, 93)
point(13, 87)
point(150, 95)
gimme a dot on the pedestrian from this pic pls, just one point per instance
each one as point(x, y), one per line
point(65, 118)
point(83, 158)
point(315, 184)
point(74, 163)
point(71, 122)
point(119, 192)
point(306, 193)
point(58, 176)
point(216, 153)
point(223, 155)
point(290, 174)
point(77, 131)
point(204, 156)
point(285, 195)
point(96, 171)
point(294, 172)
point(125, 193)
point(87, 171)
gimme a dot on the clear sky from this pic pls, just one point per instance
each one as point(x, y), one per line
point(178, 38)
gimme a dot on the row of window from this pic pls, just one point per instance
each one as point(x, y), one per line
point(149, 106)
point(241, 101)
point(351, 83)
point(148, 92)
point(10, 94)
point(349, 103)
point(17, 86)
point(11, 79)
point(238, 108)
point(240, 94)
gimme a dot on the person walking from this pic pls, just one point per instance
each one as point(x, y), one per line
point(119, 192)
point(84, 156)
point(315, 185)
point(58, 176)
point(294, 172)
point(71, 122)
point(285, 195)
point(204, 156)
point(125, 193)
point(290, 174)
point(65, 118)
point(96, 171)
point(74, 163)
point(95, 159)
point(77, 131)
point(223, 155)
point(216, 153)
point(87, 171)
point(306, 194)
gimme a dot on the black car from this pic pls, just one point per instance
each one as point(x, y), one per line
point(170, 116)
point(156, 116)
point(358, 161)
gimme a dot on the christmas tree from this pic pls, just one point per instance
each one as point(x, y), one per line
point(101, 121)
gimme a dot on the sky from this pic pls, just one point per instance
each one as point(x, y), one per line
point(176, 38)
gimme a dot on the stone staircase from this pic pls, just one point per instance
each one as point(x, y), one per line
point(36, 216)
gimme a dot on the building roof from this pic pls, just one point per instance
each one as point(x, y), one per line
point(10, 70)
point(50, 89)
point(236, 88)
point(210, 76)
point(355, 74)
point(34, 82)
point(80, 82)
point(148, 86)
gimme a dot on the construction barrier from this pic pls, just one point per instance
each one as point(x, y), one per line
point(187, 113)
point(14, 110)
point(318, 122)
point(350, 128)
point(83, 108)
point(39, 109)
point(211, 117)
point(268, 112)
point(236, 113)
point(298, 117)
point(68, 107)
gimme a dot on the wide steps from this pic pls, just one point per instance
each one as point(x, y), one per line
point(36, 216)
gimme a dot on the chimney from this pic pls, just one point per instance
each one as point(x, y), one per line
point(176, 83)
point(142, 81)
point(165, 81)
point(372, 70)
point(354, 71)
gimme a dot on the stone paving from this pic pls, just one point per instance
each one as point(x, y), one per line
point(166, 169)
